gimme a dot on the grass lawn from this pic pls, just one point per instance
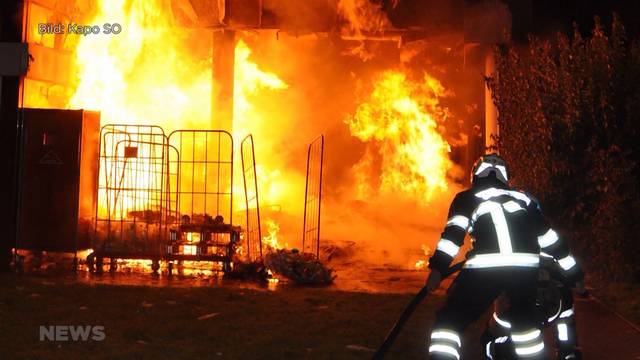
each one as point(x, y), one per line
point(163, 322)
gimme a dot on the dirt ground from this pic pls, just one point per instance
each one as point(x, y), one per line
point(229, 321)
point(205, 317)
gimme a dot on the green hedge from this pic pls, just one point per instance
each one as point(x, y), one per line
point(569, 111)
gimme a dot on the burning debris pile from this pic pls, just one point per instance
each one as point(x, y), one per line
point(293, 265)
point(251, 270)
point(301, 268)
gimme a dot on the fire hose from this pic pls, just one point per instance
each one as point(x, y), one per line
point(406, 314)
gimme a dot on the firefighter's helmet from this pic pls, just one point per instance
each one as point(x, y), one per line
point(490, 163)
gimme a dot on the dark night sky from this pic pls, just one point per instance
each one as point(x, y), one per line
point(548, 16)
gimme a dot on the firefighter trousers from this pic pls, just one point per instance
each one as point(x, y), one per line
point(469, 297)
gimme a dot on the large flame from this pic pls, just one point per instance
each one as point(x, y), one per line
point(249, 81)
point(144, 75)
point(148, 74)
point(155, 72)
point(400, 117)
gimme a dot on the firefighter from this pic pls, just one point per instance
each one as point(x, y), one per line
point(507, 234)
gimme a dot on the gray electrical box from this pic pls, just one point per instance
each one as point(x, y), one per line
point(14, 59)
point(58, 179)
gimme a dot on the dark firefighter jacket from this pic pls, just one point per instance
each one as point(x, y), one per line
point(506, 227)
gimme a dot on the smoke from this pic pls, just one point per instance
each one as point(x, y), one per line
point(386, 230)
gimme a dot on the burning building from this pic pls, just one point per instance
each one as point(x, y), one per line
point(396, 87)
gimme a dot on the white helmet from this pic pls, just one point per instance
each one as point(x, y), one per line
point(490, 163)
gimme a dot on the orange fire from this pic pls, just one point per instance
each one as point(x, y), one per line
point(271, 239)
point(362, 15)
point(249, 80)
point(144, 74)
point(149, 75)
point(154, 72)
point(423, 263)
point(400, 118)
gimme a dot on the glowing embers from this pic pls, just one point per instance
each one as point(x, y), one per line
point(188, 249)
point(183, 249)
point(205, 247)
point(423, 264)
point(208, 239)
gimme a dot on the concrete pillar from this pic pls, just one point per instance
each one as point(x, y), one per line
point(490, 110)
point(223, 44)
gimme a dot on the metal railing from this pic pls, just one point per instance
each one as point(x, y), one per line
point(253, 230)
point(313, 197)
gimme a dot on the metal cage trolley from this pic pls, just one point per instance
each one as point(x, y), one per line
point(202, 228)
point(134, 206)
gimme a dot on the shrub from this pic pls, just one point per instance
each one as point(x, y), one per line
point(569, 112)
